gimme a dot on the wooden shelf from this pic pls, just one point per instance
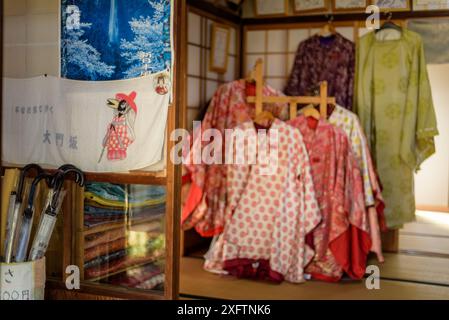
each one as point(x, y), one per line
point(132, 177)
point(324, 17)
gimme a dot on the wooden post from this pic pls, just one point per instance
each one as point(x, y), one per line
point(293, 109)
point(323, 99)
point(390, 241)
point(259, 86)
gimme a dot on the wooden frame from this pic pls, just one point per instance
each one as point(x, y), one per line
point(297, 10)
point(272, 14)
point(386, 9)
point(259, 99)
point(217, 48)
point(337, 9)
point(429, 7)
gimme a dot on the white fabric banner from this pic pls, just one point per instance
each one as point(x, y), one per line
point(106, 126)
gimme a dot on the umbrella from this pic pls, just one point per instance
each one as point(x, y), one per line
point(27, 218)
point(15, 202)
point(49, 216)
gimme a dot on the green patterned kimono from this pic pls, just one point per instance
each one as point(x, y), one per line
point(394, 102)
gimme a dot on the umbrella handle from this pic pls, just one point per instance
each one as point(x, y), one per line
point(23, 174)
point(67, 168)
point(59, 182)
point(39, 178)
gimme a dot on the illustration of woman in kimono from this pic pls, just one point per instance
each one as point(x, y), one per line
point(120, 133)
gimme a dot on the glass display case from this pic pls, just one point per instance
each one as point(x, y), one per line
point(121, 241)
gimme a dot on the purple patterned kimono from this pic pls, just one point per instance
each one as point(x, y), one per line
point(324, 58)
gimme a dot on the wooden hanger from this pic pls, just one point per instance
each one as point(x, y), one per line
point(388, 24)
point(259, 99)
point(264, 118)
point(310, 111)
point(252, 75)
point(328, 29)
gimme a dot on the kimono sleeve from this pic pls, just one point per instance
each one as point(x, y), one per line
point(351, 76)
point(309, 208)
point(426, 124)
point(294, 84)
point(194, 168)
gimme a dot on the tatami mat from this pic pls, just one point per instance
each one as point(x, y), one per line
point(424, 244)
point(428, 223)
point(195, 282)
point(401, 267)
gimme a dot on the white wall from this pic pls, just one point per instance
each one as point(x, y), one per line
point(432, 182)
point(31, 38)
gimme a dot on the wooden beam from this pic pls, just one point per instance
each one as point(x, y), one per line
point(288, 100)
point(341, 17)
point(214, 11)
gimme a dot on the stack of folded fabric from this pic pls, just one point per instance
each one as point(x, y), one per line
point(147, 277)
point(110, 203)
point(112, 254)
point(123, 258)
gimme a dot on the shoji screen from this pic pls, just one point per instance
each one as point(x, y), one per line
point(202, 83)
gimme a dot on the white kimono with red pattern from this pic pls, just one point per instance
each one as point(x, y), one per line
point(271, 213)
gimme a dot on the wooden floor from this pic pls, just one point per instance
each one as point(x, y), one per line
point(419, 271)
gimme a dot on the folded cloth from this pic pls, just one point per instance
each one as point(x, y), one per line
point(122, 204)
point(90, 208)
point(134, 193)
point(104, 249)
point(149, 247)
point(104, 237)
point(95, 220)
point(91, 222)
point(107, 258)
point(132, 278)
point(152, 282)
point(119, 264)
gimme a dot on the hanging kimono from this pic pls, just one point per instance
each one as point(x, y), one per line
point(324, 58)
point(350, 124)
point(342, 240)
point(394, 102)
point(271, 213)
point(206, 200)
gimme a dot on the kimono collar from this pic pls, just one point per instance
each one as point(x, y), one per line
point(337, 39)
point(308, 133)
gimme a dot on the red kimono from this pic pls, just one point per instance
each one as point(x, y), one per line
point(342, 241)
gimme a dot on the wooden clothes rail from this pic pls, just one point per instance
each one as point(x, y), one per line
point(257, 75)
